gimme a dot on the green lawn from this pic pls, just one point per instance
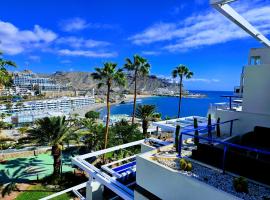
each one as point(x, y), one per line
point(38, 191)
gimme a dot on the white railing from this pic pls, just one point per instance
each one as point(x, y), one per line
point(72, 189)
point(98, 175)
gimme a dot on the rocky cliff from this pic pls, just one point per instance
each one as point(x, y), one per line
point(84, 81)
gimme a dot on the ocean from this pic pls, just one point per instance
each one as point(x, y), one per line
point(168, 106)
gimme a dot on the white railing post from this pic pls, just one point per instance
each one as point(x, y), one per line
point(89, 189)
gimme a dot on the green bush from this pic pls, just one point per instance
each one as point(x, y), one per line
point(189, 167)
point(185, 165)
point(92, 115)
point(156, 117)
point(240, 184)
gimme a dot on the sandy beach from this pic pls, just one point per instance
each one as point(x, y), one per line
point(98, 106)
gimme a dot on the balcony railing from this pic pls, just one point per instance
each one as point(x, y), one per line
point(211, 140)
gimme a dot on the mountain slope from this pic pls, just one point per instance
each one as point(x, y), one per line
point(84, 81)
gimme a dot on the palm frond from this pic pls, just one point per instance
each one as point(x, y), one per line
point(145, 112)
point(10, 63)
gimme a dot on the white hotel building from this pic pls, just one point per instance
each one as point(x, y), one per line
point(31, 110)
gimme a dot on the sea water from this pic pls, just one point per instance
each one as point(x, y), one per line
point(168, 106)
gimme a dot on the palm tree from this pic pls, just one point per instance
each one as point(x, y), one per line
point(51, 131)
point(140, 67)
point(125, 132)
point(23, 130)
point(108, 75)
point(145, 113)
point(92, 134)
point(182, 72)
point(5, 77)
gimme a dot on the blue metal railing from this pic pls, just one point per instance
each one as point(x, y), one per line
point(211, 140)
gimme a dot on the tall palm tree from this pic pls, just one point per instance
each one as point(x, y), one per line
point(182, 72)
point(140, 67)
point(107, 76)
point(5, 77)
point(145, 113)
point(51, 131)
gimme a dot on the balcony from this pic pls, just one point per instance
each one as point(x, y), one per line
point(156, 172)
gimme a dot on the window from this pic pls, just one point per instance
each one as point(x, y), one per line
point(255, 60)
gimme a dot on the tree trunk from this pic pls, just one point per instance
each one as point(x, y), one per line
point(180, 98)
point(135, 97)
point(145, 127)
point(108, 117)
point(56, 153)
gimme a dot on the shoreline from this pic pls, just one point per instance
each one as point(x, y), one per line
point(98, 106)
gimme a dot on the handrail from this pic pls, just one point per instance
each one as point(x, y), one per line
point(73, 189)
point(226, 144)
point(230, 144)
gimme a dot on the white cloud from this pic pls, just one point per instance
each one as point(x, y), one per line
point(151, 53)
point(34, 58)
point(78, 24)
point(76, 42)
point(203, 80)
point(86, 53)
point(203, 29)
point(157, 32)
point(74, 24)
point(14, 41)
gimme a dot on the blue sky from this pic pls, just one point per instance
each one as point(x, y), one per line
point(66, 35)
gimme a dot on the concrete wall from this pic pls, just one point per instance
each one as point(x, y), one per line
point(58, 93)
point(94, 190)
point(5, 156)
point(167, 183)
point(145, 148)
point(247, 121)
point(256, 95)
point(264, 54)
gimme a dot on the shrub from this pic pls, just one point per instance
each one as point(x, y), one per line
point(185, 165)
point(240, 184)
point(189, 167)
point(92, 115)
point(156, 117)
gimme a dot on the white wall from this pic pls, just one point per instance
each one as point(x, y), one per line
point(264, 53)
point(247, 121)
point(146, 148)
point(256, 95)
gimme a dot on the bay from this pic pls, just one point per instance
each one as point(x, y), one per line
point(168, 106)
